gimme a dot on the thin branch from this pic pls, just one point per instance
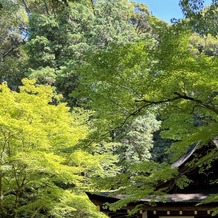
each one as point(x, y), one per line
point(7, 53)
point(93, 6)
point(179, 96)
point(36, 211)
point(46, 7)
point(26, 6)
point(198, 102)
point(150, 103)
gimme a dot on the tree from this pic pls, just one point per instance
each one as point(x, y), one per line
point(203, 20)
point(125, 66)
point(13, 22)
point(167, 78)
point(111, 23)
point(38, 172)
point(206, 44)
point(136, 140)
point(55, 58)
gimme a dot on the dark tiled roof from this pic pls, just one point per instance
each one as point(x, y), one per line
point(170, 198)
point(194, 198)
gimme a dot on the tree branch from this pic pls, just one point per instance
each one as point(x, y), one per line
point(157, 102)
point(148, 103)
point(179, 96)
point(198, 102)
point(7, 53)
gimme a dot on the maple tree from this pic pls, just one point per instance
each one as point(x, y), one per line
point(38, 173)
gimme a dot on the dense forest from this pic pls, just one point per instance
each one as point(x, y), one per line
point(100, 95)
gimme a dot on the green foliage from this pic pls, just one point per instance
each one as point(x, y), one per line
point(140, 181)
point(56, 46)
point(207, 45)
point(183, 182)
point(111, 23)
point(112, 79)
point(141, 19)
point(128, 68)
point(37, 177)
point(13, 21)
point(136, 139)
point(179, 86)
point(87, 29)
point(202, 20)
point(212, 198)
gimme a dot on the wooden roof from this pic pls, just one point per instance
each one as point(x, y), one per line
point(175, 200)
point(186, 156)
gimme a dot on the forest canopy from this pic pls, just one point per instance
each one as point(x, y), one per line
point(101, 96)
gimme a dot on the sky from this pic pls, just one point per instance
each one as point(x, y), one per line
point(166, 9)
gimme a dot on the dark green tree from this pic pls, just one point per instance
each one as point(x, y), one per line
point(13, 22)
point(136, 140)
point(55, 58)
point(203, 20)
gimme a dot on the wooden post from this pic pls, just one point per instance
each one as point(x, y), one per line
point(145, 214)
